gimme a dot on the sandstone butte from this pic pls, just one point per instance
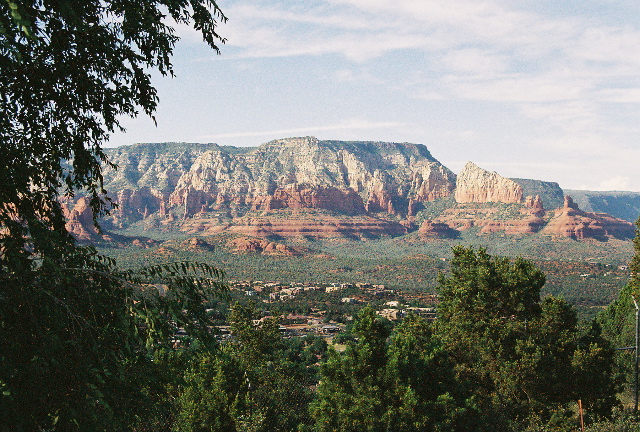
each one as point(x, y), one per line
point(307, 187)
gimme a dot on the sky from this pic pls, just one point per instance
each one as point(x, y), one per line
point(541, 89)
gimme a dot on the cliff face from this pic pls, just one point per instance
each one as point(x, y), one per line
point(158, 166)
point(476, 185)
point(570, 221)
point(305, 187)
point(260, 246)
point(80, 224)
point(295, 173)
point(80, 220)
point(550, 193)
point(146, 175)
point(508, 218)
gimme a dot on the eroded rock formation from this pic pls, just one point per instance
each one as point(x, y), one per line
point(80, 224)
point(333, 189)
point(80, 220)
point(570, 221)
point(312, 224)
point(476, 185)
point(260, 246)
point(295, 173)
point(432, 229)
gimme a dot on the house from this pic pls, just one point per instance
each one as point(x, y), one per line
point(428, 313)
point(330, 329)
point(391, 314)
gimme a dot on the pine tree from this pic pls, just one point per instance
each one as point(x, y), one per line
point(522, 358)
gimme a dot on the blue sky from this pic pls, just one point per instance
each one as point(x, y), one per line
point(528, 88)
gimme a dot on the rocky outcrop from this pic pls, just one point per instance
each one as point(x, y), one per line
point(516, 226)
point(531, 217)
point(196, 244)
point(569, 221)
point(260, 246)
point(534, 203)
point(345, 177)
point(488, 218)
point(157, 166)
point(550, 193)
point(315, 225)
point(511, 227)
point(476, 185)
point(430, 229)
point(534, 206)
point(80, 220)
point(297, 197)
point(305, 187)
point(137, 204)
point(80, 224)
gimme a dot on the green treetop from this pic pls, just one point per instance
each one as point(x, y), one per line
point(77, 334)
point(521, 356)
point(69, 71)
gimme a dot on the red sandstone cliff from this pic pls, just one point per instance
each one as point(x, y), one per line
point(295, 173)
point(476, 185)
point(260, 246)
point(307, 187)
point(80, 220)
point(430, 229)
point(570, 221)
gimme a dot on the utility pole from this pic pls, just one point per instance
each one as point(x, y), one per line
point(635, 399)
point(581, 415)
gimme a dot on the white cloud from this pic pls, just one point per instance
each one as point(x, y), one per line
point(314, 16)
point(618, 183)
point(572, 78)
point(346, 126)
point(620, 95)
point(358, 77)
point(475, 61)
point(571, 116)
point(517, 88)
point(608, 45)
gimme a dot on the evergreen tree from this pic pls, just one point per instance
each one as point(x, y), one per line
point(521, 358)
point(352, 394)
point(619, 319)
point(254, 382)
point(420, 374)
point(401, 383)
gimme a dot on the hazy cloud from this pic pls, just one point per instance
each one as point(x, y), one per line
point(566, 72)
point(618, 183)
point(346, 126)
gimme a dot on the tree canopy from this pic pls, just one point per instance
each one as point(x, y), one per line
point(69, 70)
point(618, 320)
point(400, 381)
point(78, 335)
point(522, 357)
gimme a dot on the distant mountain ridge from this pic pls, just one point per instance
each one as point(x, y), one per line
point(624, 205)
point(308, 187)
